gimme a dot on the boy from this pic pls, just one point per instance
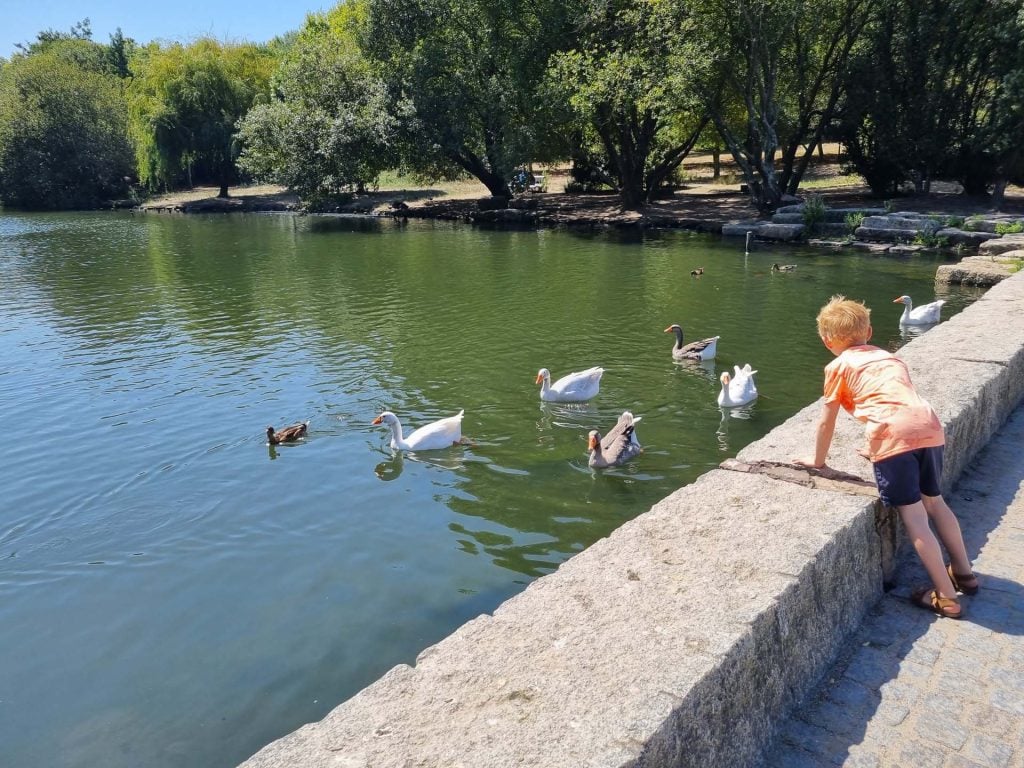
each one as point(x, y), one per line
point(905, 443)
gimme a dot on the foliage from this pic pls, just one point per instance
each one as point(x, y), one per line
point(854, 220)
point(774, 80)
point(627, 86)
point(930, 240)
point(1010, 229)
point(920, 91)
point(814, 211)
point(470, 71)
point(63, 128)
point(185, 102)
point(332, 126)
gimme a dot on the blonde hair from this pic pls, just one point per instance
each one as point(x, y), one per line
point(845, 321)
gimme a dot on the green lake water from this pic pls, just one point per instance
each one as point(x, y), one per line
point(175, 592)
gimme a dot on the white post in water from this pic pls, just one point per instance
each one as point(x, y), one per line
point(746, 249)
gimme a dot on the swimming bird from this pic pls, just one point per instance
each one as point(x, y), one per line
point(696, 272)
point(705, 349)
point(288, 434)
point(783, 267)
point(926, 314)
point(572, 388)
point(442, 433)
point(739, 389)
point(618, 446)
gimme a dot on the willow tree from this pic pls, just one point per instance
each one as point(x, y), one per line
point(470, 70)
point(185, 103)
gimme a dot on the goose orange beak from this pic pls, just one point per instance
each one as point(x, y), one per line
point(539, 379)
point(898, 300)
point(378, 420)
point(591, 443)
point(667, 330)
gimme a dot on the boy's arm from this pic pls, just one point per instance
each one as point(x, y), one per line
point(823, 436)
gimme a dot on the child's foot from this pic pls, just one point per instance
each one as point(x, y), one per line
point(966, 583)
point(929, 599)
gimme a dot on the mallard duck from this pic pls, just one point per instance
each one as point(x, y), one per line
point(573, 388)
point(783, 267)
point(926, 314)
point(705, 349)
point(738, 389)
point(619, 446)
point(442, 433)
point(288, 434)
point(697, 272)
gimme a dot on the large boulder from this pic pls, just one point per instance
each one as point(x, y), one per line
point(781, 232)
point(954, 236)
point(741, 228)
point(998, 245)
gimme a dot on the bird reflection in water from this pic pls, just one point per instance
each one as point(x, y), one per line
point(705, 369)
point(390, 470)
point(745, 412)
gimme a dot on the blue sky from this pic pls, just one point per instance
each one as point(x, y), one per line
point(236, 20)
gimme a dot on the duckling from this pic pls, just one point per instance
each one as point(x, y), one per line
point(288, 434)
point(697, 272)
point(783, 267)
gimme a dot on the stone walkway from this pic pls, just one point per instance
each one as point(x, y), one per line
point(912, 690)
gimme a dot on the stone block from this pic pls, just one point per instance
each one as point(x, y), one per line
point(788, 218)
point(886, 234)
point(956, 236)
point(740, 228)
point(991, 223)
point(838, 215)
point(901, 222)
point(999, 245)
point(780, 232)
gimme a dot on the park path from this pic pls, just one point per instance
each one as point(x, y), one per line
point(912, 690)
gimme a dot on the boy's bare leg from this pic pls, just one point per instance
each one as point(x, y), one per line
point(915, 520)
point(948, 528)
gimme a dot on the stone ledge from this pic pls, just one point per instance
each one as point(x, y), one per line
point(684, 637)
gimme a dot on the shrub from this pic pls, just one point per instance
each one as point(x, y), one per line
point(814, 211)
point(1010, 229)
point(854, 220)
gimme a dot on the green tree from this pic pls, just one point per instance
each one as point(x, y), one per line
point(63, 130)
point(921, 92)
point(332, 126)
point(778, 63)
point(471, 70)
point(186, 101)
point(629, 85)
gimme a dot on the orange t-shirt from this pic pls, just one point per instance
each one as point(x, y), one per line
point(874, 386)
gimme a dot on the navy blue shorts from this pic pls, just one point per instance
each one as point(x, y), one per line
point(903, 478)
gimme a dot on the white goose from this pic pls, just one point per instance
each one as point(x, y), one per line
point(573, 388)
point(926, 314)
point(705, 349)
point(738, 389)
point(442, 433)
point(618, 446)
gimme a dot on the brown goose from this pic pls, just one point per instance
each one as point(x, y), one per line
point(697, 272)
point(618, 447)
point(288, 434)
point(705, 349)
point(783, 267)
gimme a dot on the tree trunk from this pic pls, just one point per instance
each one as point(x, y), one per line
point(716, 160)
point(223, 190)
point(997, 194)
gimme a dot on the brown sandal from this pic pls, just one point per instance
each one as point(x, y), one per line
point(964, 582)
point(929, 599)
